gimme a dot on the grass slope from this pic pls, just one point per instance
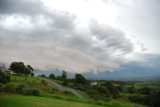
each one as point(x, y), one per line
point(51, 97)
point(31, 101)
point(33, 82)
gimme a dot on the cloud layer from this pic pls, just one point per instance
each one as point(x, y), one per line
point(53, 39)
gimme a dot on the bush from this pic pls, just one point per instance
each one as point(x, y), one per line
point(80, 79)
point(33, 92)
point(1, 85)
point(65, 83)
point(43, 82)
point(152, 100)
point(99, 103)
point(155, 99)
point(9, 88)
point(68, 92)
point(53, 90)
point(32, 74)
point(80, 87)
point(19, 89)
point(131, 89)
point(52, 76)
point(43, 75)
point(140, 99)
point(4, 78)
point(144, 91)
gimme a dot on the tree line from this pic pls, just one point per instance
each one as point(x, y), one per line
point(78, 79)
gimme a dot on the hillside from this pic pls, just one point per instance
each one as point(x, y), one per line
point(30, 101)
point(51, 96)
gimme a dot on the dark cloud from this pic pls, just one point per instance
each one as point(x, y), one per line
point(112, 37)
point(21, 7)
point(52, 39)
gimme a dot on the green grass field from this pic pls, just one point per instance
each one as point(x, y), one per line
point(153, 85)
point(48, 98)
point(33, 82)
point(31, 101)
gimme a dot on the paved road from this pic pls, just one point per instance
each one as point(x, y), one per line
point(64, 88)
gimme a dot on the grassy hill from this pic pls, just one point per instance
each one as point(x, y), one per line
point(50, 96)
point(31, 101)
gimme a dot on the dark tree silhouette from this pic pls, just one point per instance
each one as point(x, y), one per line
point(80, 79)
point(64, 78)
point(20, 68)
point(4, 78)
point(52, 76)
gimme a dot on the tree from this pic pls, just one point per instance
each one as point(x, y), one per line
point(20, 68)
point(64, 78)
point(131, 89)
point(155, 99)
point(32, 74)
point(30, 68)
point(26, 71)
point(43, 75)
point(80, 79)
point(52, 76)
point(4, 78)
point(17, 67)
point(145, 90)
point(64, 75)
point(59, 78)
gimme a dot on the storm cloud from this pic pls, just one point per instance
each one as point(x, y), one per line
point(53, 39)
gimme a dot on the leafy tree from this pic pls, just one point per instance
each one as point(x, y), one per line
point(64, 78)
point(155, 99)
point(26, 71)
point(43, 75)
point(32, 74)
point(4, 78)
point(52, 76)
point(80, 79)
point(103, 90)
point(17, 67)
point(20, 68)
point(144, 90)
point(131, 89)
point(30, 68)
point(59, 78)
point(64, 75)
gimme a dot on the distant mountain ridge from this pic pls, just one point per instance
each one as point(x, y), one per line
point(149, 78)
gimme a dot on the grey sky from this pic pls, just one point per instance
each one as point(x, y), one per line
point(50, 35)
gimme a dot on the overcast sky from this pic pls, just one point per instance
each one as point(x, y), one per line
point(80, 35)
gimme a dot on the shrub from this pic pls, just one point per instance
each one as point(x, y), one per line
point(53, 90)
point(155, 99)
point(65, 83)
point(4, 78)
point(33, 92)
point(145, 91)
point(19, 89)
point(1, 87)
point(140, 99)
point(80, 79)
point(9, 88)
point(68, 92)
point(43, 82)
point(43, 75)
point(52, 76)
point(32, 74)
